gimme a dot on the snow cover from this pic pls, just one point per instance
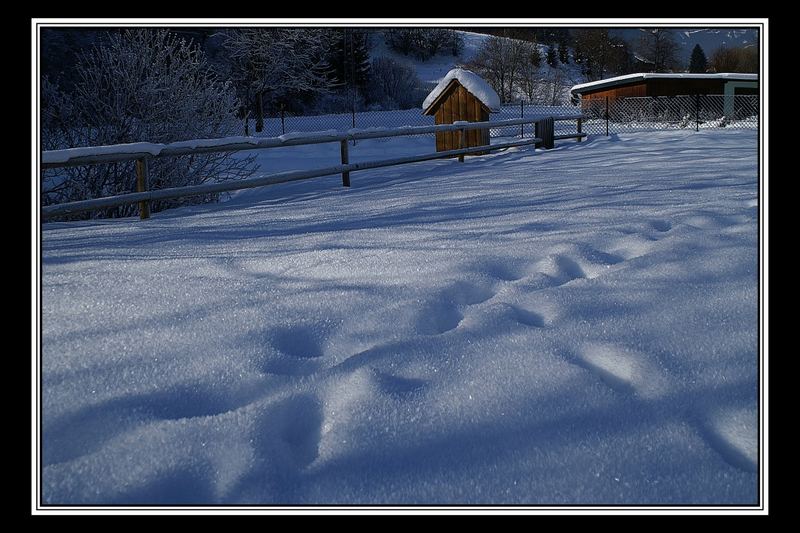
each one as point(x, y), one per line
point(62, 156)
point(154, 149)
point(433, 69)
point(653, 75)
point(576, 325)
point(476, 85)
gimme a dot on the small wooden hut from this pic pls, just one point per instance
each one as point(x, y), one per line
point(461, 95)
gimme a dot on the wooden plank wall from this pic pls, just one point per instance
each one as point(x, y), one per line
point(660, 87)
point(459, 104)
point(640, 89)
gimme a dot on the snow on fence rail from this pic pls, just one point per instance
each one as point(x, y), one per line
point(142, 152)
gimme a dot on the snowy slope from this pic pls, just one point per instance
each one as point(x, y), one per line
point(436, 68)
point(571, 326)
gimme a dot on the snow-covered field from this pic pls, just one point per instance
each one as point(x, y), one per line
point(570, 326)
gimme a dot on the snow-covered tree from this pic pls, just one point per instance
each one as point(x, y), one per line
point(141, 85)
point(269, 64)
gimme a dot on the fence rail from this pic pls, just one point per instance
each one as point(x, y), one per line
point(278, 122)
point(142, 152)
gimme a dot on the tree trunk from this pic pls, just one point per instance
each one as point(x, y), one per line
point(259, 113)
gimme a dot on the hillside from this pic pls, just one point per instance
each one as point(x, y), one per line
point(430, 72)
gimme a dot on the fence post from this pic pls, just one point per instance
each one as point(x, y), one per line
point(354, 117)
point(580, 128)
point(142, 179)
point(697, 112)
point(283, 123)
point(606, 116)
point(537, 132)
point(549, 133)
point(461, 144)
point(521, 115)
point(345, 161)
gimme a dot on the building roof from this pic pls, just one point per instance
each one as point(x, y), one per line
point(632, 78)
point(473, 83)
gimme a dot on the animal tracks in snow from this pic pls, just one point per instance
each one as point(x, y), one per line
point(295, 350)
point(90, 428)
point(661, 226)
point(623, 369)
point(445, 311)
point(287, 435)
point(733, 434)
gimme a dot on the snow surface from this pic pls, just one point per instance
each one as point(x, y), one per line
point(576, 325)
point(656, 75)
point(473, 83)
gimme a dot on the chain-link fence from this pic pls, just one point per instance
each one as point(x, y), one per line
point(603, 117)
point(279, 123)
point(670, 112)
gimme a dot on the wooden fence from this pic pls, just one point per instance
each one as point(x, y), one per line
point(143, 152)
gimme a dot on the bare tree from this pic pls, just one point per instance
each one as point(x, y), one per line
point(424, 43)
point(393, 84)
point(530, 79)
point(557, 87)
point(143, 85)
point(503, 62)
point(269, 63)
point(658, 47)
point(726, 59)
point(601, 53)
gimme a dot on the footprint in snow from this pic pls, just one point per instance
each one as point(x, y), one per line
point(733, 434)
point(623, 369)
point(89, 428)
point(661, 225)
point(287, 434)
point(444, 312)
point(295, 350)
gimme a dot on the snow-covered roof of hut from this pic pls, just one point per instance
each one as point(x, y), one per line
point(639, 76)
point(473, 83)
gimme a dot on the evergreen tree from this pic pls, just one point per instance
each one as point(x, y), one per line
point(349, 57)
point(577, 54)
point(552, 58)
point(563, 53)
point(698, 61)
